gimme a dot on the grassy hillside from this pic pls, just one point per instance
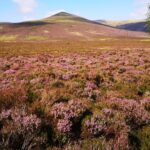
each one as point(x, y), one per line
point(117, 23)
point(60, 27)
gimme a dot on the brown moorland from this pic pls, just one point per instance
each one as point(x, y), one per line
point(65, 91)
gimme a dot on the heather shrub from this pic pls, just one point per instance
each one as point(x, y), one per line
point(71, 101)
point(67, 119)
point(12, 96)
point(109, 125)
point(146, 103)
point(135, 114)
point(72, 110)
point(64, 126)
point(121, 142)
point(91, 91)
point(20, 130)
point(96, 78)
point(95, 125)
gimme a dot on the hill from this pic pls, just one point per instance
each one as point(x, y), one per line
point(115, 23)
point(61, 26)
point(132, 25)
point(137, 26)
point(65, 17)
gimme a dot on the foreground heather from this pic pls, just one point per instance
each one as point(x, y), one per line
point(87, 101)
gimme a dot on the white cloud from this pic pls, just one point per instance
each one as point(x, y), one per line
point(26, 6)
point(141, 9)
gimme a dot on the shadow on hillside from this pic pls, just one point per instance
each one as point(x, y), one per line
point(138, 26)
point(29, 24)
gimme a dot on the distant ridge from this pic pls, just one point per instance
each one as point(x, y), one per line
point(132, 25)
point(117, 23)
point(62, 26)
point(137, 26)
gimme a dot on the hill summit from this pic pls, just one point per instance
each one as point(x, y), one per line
point(65, 17)
point(63, 14)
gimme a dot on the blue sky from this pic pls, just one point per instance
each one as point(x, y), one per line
point(21, 10)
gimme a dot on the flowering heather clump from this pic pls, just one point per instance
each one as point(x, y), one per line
point(136, 115)
point(77, 107)
point(90, 90)
point(66, 115)
point(64, 126)
point(95, 125)
point(21, 121)
point(73, 109)
point(19, 129)
point(58, 110)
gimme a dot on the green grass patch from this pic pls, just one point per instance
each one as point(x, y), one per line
point(8, 37)
point(35, 38)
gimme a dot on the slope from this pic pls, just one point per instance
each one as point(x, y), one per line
point(61, 26)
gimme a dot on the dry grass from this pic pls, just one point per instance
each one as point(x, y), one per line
point(59, 47)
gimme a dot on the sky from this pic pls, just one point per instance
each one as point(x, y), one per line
point(23, 10)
